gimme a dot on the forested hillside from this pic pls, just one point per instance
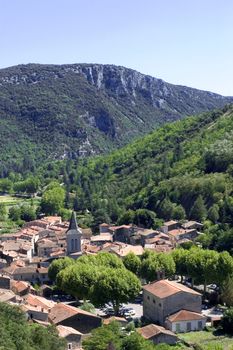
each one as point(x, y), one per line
point(59, 112)
point(182, 170)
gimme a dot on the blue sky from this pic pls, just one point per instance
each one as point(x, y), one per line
point(188, 42)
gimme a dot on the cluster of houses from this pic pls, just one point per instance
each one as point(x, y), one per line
point(25, 257)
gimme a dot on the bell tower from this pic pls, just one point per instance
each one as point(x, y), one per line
point(73, 236)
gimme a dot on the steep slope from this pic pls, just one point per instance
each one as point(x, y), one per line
point(56, 112)
point(166, 171)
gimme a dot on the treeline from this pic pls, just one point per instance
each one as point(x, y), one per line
point(106, 278)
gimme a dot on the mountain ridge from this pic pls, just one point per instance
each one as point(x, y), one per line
point(68, 111)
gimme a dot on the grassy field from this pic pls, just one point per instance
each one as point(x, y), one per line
point(205, 339)
point(8, 226)
point(9, 200)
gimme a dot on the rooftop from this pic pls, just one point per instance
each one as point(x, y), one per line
point(165, 288)
point(185, 315)
point(62, 311)
point(152, 330)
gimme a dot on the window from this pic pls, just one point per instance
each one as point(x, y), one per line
point(189, 326)
point(199, 325)
point(148, 297)
point(72, 244)
point(177, 327)
point(160, 304)
point(154, 301)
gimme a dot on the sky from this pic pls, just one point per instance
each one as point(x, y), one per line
point(186, 42)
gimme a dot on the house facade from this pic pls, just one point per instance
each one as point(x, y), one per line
point(164, 298)
point(185, 321)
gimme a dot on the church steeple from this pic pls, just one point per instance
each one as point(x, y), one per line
point(73, 222)
point(73, 236)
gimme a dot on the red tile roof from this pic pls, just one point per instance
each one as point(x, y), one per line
point(152, 330)
point(62, 312)
point(165, 288)
point(185, 315)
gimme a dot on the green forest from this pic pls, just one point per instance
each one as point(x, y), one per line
point(181, 171)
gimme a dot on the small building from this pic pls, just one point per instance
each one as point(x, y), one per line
point(104, 228)
point(101, 239)
point(70, 316)
point(157, 334)
point(72, 336)
point(192, 225)
point(6, 296)
point(180, 234)
point(5, 281)
point(35, 312)
point(185, 321)
point(164, 298)
point(20, 288)
point(122, 233)
point(169, 225)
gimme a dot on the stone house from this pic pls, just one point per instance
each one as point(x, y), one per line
point(66, 315)
point(157, 334)
point(180, 234)
point(185, 321)
point(5, 281)
point(20, 287)
point(164, 298)
point(122, 233)
point(72, 336)
point(35, 312)
point(29, 273)
point(169, 225)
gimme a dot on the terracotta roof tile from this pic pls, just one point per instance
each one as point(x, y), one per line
point(165, 288)
point(185, 315)
point(62, 311)
point(152, 330)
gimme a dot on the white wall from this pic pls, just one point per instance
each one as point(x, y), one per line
point(183, 326)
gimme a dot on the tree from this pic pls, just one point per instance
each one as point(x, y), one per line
point(116, 286)
point(224, 264)
point(227, 291)
point(14, 213)
point(198, 211)
point(3, 211)
point(132, 262)
point(135, 341)
point(57, 265)
point(145, 218)
point(126, 218)
point(104, 338)
point(155, 266)
point(213, 213)
point(166, 209)
point(53, 200)
point(78, 280)
point(88, 307)
point(5, 185)
point(227, 320)
point(178, 212)
point(180, 259)
point(27, 213)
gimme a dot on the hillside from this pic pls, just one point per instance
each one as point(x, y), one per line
point(165, 172)
point(57, 112)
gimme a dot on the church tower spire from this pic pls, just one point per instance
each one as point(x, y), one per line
point(73, 236)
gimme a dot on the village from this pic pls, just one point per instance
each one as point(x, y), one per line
point(168, 306)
